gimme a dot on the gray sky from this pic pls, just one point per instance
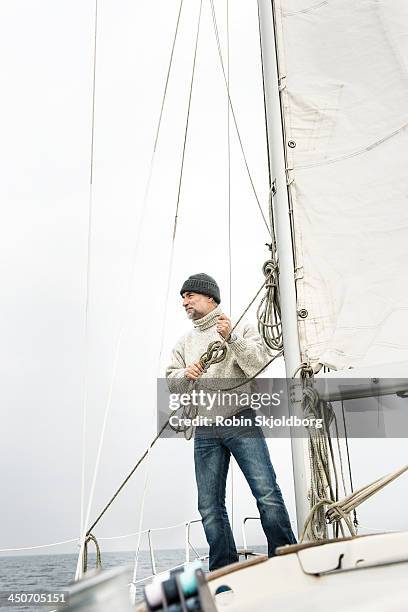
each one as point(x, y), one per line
point(47, 68)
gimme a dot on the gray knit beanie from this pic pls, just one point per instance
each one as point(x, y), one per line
point(202, 283)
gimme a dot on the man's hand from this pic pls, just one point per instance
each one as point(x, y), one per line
point(224, 326)
point(194, 371)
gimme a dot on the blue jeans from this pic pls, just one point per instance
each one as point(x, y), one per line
point(213, 447)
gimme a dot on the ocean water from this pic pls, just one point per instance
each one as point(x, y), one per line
point(42, 573)
point(53, 573)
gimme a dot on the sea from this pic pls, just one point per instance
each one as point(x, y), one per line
point(53, 573)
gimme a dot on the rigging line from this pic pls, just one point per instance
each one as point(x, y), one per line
point(378, 530)
point(234, 116)
point(141, 517)
point(2, 550)
point(170, 268)
point(169, 273)
point(133, 267)
point(167, 77)
point(147, 189)
point(88, 277)
point(248, 380)
point(187, 123)
point(271, 218)
point(229, 167)
point(136, 533)
point(128, 477)
point(128, 535)
point(153, 442)
point(157, 133)
point(229, 227)
point(348, 459)
point(87, 302)
point(281, 75)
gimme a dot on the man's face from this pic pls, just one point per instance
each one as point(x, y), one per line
point(197, 305)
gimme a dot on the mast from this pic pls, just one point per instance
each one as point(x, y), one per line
point(281, 211)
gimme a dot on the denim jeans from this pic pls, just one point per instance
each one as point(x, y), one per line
point(213, 447)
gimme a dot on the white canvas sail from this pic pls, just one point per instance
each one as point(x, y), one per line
point(344, 73)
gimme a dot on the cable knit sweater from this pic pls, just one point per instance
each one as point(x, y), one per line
point(245, 357)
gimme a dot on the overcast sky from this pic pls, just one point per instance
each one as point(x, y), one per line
point(47, 67)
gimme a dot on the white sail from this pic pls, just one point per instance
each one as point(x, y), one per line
point(343, 68)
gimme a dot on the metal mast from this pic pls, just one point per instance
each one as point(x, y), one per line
point(276, 141)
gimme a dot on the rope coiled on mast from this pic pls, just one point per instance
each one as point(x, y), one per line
point(269, 310)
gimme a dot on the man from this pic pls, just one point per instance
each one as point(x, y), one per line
point(213, 446)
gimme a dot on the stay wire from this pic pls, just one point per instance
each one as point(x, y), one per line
point(167, 77)
point(147, 475)
point(234, 117)
point(271, 182)
point(229, 168)
point(170, 267)
point(169, 273)
point(87, 296)
point(355, 518)
point(229, 226)
point(157, 132)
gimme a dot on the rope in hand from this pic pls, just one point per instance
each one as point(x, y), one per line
point(215, 353)
point(270, 329)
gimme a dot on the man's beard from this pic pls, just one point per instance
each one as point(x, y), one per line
point(192, 314)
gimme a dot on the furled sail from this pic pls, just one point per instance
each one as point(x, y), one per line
point(344, 77)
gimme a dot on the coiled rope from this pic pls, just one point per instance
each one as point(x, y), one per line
point(325, 506)
point(269, 311)
point(91, 538)
point(270, 330)
point(340, 510)
point(215, 353)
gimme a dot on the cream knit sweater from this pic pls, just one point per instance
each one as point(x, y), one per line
point(245, 357)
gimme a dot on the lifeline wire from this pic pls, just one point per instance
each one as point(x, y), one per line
point(72, 540)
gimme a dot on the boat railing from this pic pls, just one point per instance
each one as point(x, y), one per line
point(188, 547)
point(245, 551)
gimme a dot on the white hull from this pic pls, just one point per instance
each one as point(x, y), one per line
point(372, 575)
